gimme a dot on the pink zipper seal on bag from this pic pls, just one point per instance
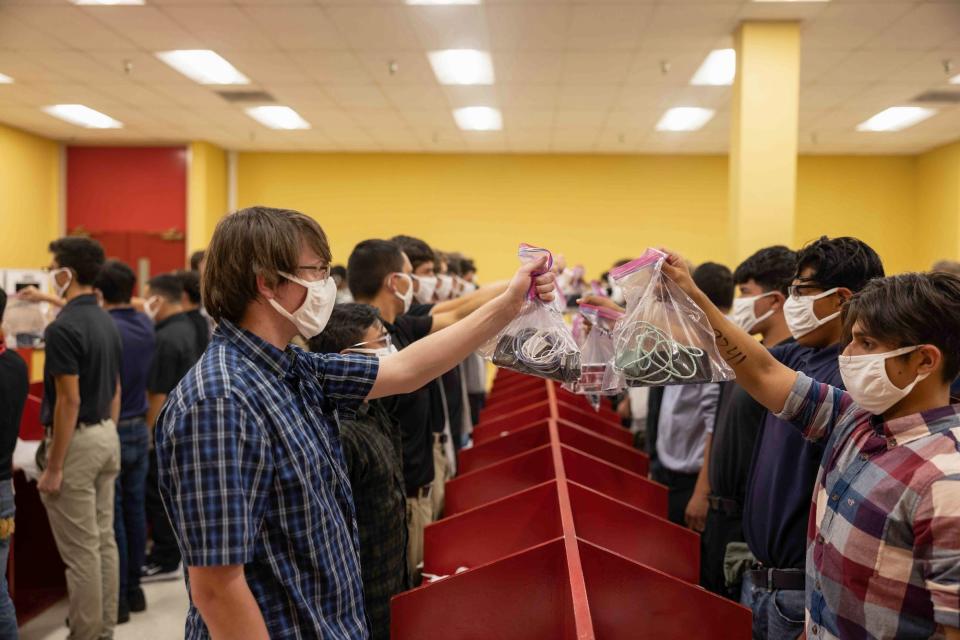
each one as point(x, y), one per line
point(530, 253)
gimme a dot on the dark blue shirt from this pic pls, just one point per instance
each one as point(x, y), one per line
point(137, 336)
point(252, 472)
point(784, 471)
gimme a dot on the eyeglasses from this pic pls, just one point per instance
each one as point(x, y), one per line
point(383, 342)
point(313, 273)
point(797, 290)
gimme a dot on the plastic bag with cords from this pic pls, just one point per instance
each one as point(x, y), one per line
point(664, 338)
point(597, 354)
point(536, 342)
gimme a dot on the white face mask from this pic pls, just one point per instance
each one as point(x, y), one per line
point(801, 319)
point(312, 316)
point(61, 289)
point(380, 353)
point(406, 298)
point(444, 287)
point(616, 294)
point(152, 307)
point(468, 287)
point(745, 313)
point(867, 382)
point(428, 286)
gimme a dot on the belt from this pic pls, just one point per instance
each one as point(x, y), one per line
point(422, 492)
point(48, 430)
point(778, 579)
point(440, 438)
point(725, 505)
point(132, 420)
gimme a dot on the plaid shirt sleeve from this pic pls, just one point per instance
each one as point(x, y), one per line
point(215, 474)
point(936, 526)
point(346, 380)
point(816, 408)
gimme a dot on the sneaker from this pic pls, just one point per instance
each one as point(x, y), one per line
point(157, 573)
point(137, 601)
point(123, 613)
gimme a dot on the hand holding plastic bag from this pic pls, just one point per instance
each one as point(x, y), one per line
point(537, 341)
point(664, 338)
point(597, 350)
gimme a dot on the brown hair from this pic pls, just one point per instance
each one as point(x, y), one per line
point(911, 309)
point(251, 242)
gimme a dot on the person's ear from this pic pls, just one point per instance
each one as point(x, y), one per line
point(264, 289)
point(776, 301)
point(930, 358)
point(843, 296)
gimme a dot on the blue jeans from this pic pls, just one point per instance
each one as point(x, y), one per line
point(8, 615)
point(130, 519)
point(777, 615)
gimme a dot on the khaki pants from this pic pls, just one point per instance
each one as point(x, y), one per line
point(81, 518)
point(419, 515)
point(441, 473)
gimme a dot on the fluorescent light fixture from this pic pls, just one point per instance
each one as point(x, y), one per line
point(955, 79)
point(82, 116)
point(441, 2)
point(462, 66)
point(684, 119)
point(277, 117)
point(791, 0)
point(718, 69)
point(478, 119)
point(203, 66)
point(106, 3)
point(896, 118)
point(4, 79)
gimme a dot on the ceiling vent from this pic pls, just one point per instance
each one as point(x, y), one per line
point(942, 97)
point(259, 97)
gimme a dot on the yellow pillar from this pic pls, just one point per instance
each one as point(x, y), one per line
point(763, 141)
point(206, 193)
point(938, 205)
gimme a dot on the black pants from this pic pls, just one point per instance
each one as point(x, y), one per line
point(165, 552)
point(722, 529)
point(477, 400)
point(680, 487)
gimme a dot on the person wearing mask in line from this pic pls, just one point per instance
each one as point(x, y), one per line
point(339, 274)
point(372, 450)
point(784, 467)
point(193, 308)
point(80, 453)
point(764, 280)
point(448, 431)
point(14, 387)
point(882, 558)
point(115, 282)
point(381, 275)
point(177, 351)
point(252, 470)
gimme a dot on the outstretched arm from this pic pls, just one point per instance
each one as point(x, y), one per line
point(453, 311)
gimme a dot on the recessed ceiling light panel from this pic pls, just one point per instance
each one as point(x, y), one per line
point(83, 116)
point(684, 119)
point(5, 79)
point(478, 119)
point(896, 119)
point(462, 66)
point(718, 69)
point(278, 117)
point(203, 66)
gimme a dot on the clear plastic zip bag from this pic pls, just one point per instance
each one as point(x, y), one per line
point(664, 338)
point(597, 351)
point(537, 341)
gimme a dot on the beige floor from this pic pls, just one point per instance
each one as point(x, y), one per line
point(163, 619)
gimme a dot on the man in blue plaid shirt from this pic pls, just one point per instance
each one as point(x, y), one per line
point(251, 468)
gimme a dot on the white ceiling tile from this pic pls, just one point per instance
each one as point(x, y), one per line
point(541, 27)
point(524, 119)
point(468, 96)
point(596, 97)
point(867, 66)
point(375, 28)
point(816, 62)
point(529, 96)
point(326, 119)
point(143, 67)
point(71, 25)
point(352, 95)
point(485, 141)
point(848, 26)
point(389, 68)
point(604, 27)
point(378, 119)
point(332, 67)
point(925, 26)
point(221, 28)
point(428, 119)
point(16, 34)
point(298, 96)
point(695, 19)
point(821, 96)
point(540, 67)
point(595, 68)
point(412, 96)
point(28, 67)
point(297, 27)
point(665, 68)
point(449, 26)
point(149, 27)
point(269, 67)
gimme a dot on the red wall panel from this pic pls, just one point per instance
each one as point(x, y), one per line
point(126, 188)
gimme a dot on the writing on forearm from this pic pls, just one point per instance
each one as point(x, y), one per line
point(730, 352)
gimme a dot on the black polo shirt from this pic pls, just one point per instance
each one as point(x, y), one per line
point(201, 328)
point(14, 386)
point(177, 351)
point(415, 412)
point(83, 341)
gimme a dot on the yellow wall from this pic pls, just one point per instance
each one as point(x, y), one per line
point(594, 209)
point(207, 193)
point(938, 205)
point(870, 197)
point(29, 198)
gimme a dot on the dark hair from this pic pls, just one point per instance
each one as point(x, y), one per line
point(257, 241)
point(454, 264)
point(416, 249)
point(339, 270)
point(911, 309)
point(83, 255)
point(191, 285)
point(840, 262)
point(167, 286)
point(467, 265)
point(371, 262)
point(3, 303)
point(116, 282)
point(195, 259)
point(947, 266)
point(773, 268)
point(347, 324)
point(716, 281)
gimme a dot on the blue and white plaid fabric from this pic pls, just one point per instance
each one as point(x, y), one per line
point(252, 473)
